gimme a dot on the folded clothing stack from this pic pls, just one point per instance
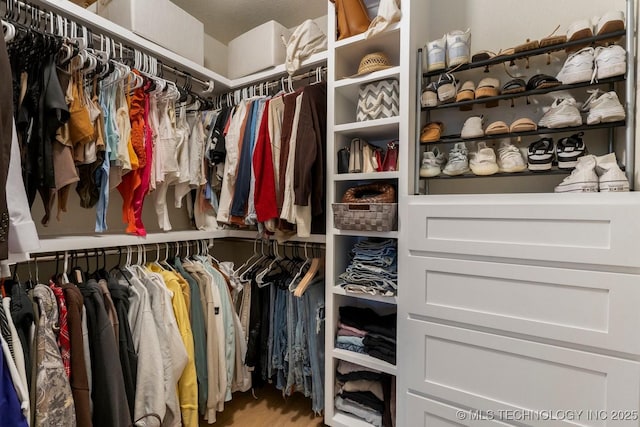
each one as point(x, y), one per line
point(361, 330)
point(365, 393)
point(373, 268)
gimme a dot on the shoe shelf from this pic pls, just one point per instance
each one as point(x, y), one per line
point(452, 139)
point(528, 53)
point(609, 81)
point(553, 171)
point(377, 298)
point(366, 176)
point(364, 360)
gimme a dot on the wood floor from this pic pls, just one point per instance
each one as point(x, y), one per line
point(269, 410)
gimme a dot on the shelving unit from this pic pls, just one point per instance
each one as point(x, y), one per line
point(451, 139)
point(343, 60)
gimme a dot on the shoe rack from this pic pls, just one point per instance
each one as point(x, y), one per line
point(614, 130)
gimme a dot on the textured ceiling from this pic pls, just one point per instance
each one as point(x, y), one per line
point(226, 19)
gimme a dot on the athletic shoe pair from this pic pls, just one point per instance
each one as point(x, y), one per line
point(589, 64)
point(542, 153)
point(483, 161)
point(602, 107)
point(594, 174)
point(452, 49)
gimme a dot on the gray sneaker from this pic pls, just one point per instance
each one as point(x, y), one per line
point(458, 163)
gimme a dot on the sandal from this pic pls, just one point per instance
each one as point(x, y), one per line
point(497, 128)
point(551, 40)
point(528, 45)
point(466, 93)
point(523, 125)
point(514, 86)
point(487, 88)
point(542, 81)
point(432, 132)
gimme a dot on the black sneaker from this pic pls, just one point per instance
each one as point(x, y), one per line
point(569, 150)
point(540, 155)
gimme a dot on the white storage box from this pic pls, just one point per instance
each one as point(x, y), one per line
point(161, 22)
point(257, 49)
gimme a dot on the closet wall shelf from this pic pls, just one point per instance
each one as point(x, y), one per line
point(357, 233)
point(366, 176)
point(252, 234)
point(341, 419)
point(365, 360)
point(525, 94)
point(69, 243)
point(361, 37)
point(369, 128)
point(317, 59)
point(106, 27)
point(371, 77)
point(377, 298)
point(529, 53)
point(451, 139)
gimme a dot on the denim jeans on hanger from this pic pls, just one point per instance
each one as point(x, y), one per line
point(280, 339)
point(313, 299)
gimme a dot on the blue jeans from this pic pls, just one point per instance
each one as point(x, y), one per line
point(315, 322)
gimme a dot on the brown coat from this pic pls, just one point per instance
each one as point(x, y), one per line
point(79, 380)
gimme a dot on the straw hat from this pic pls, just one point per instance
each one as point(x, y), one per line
point(373, 62)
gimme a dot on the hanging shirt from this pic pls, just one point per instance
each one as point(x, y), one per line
point(9, 404)
point(54, 403)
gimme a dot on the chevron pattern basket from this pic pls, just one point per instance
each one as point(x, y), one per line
point(378, 100)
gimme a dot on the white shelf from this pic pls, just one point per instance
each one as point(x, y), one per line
point(338, 290)
point(252, 234)
point(360, 37)
point(366, 176)
point(69, 243)
point(386, 128)
point(317, 59)
point(354, 82)
point(364, 360)
point(341, 419)
point(357, 233)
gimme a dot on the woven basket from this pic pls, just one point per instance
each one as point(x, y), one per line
point(365, 216)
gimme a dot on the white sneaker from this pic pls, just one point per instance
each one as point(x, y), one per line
point(579, 30)
point(432, 162)
point(510, 158)
point(562, 113)
point(472, 128)
point(582, 179)
point(458, 47)
point(458, 161)
point(578, 67)
point(611, 177)
point(603, 108)
point(483, 160)
point(436, 54)
point(610, 61)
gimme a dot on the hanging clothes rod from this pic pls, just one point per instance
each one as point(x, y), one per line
point(262, 89)
point(26, 14)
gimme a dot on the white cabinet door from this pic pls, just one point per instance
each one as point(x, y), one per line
point(489, 372)
point(599, 229)
point(589, 308)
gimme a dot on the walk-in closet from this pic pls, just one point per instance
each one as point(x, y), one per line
point(344, 213)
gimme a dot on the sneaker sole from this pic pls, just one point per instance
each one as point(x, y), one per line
point(561, 122)
point(577, 77)
point(429, 173)
point(611, 27)
point(539, 167)
point(612, 70)
point(514, 169)
point(567, 165)
point(484, 170)
point(455, 173)
point(578, 187)
point(471, 136)
point(614, 186)
point(606, 116)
